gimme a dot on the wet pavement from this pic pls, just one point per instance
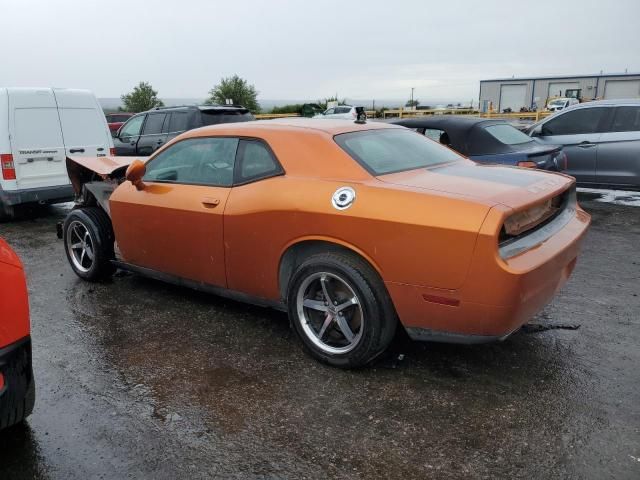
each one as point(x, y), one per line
point(139, 379)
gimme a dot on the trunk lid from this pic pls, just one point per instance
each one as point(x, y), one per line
point(490, 184)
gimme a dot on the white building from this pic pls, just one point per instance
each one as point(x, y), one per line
point(515, 93)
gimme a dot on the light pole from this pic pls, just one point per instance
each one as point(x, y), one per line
point(411, 98)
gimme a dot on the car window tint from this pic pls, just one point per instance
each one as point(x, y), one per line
point(582, 120)
point(507, 134)
point(214, 117)
point(342, 110)
point(256, 161)
point(117, 118)
point(329, 112)
point(132, 127)
point(390, 150)
point(178, 122)
point(626, 119)
point(153, 125)
point(201, 161)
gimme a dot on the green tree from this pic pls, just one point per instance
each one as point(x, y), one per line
point(412, 103)
point(142, 98)
point(238, 90)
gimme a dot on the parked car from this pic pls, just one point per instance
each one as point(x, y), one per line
point(488, 141)
point(17, 386)
point(601, 140)
point(145, 132)
point(39, 127)
point(349, 227)
point(116, 120)
point(346, 112)
point(558, 104)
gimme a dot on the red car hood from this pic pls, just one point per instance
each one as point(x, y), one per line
point(509, 186)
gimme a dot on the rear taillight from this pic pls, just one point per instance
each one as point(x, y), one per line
point(112, 152)
point(8, 169)
point(528, 164)
point(354, 114)
point(1, 381)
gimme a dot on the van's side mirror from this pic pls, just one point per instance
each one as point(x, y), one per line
point(135, 172)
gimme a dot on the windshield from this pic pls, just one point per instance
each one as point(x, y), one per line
point(393, 150)
point(507, 134)
point(557, 103)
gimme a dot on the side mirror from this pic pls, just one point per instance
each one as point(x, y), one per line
point(135, 172)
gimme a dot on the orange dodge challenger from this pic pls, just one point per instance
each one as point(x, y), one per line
point(349, 227)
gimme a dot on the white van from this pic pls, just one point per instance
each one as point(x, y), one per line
point(39, 127)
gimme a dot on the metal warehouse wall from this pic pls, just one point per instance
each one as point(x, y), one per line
point(530, 91)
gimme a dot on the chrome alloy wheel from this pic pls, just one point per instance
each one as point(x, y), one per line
point(330, 313)
point(80, 246)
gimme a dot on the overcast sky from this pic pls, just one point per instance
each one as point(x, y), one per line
point(311, 49)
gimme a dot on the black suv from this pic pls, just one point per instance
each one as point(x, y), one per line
point(145, 132)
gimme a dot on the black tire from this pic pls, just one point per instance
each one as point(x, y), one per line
point(378, 319)
point(19, 398)
point(7, 212)
point(97, 224)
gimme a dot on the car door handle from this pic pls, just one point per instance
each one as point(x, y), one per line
point(159, 142)
point(210, 202)
point(76, 150)
point(586, 144)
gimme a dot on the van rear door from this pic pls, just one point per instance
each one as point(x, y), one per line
point(84, 127)
point(36, 139)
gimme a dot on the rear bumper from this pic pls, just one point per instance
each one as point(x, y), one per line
point(17, 394)
point(498, 297)
point(57, 194)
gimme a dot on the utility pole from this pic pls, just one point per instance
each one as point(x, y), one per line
point(412, 97)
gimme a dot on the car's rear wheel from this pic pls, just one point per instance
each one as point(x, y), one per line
point(88, 240)
point(340, 309)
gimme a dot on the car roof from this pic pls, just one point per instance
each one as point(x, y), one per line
point(328, 126)
point(602, 103)
point(221, 108)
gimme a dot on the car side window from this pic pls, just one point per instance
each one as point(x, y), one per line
point(626, 119)
point(433, 134)
point(178, 122)
point(195, 161)
point(154, 123)
point(132, 127)
point(255, 161)
point(331, 111)
point(575, 122)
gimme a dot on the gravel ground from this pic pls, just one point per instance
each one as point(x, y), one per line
point(138, 379)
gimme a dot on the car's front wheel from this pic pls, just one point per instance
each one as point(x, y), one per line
point(88, 240)
point(340, 309)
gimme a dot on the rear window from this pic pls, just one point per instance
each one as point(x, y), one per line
point(388, 151)
point(213, 117)
point(113, 118)
point(83, 127)
point(37, 128)
point(507, 134)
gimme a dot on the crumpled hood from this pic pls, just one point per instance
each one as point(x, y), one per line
point(492, 184)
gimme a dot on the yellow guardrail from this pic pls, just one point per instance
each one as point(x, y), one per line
point(402, 113)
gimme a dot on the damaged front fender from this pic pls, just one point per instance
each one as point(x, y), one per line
point(95, 178)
